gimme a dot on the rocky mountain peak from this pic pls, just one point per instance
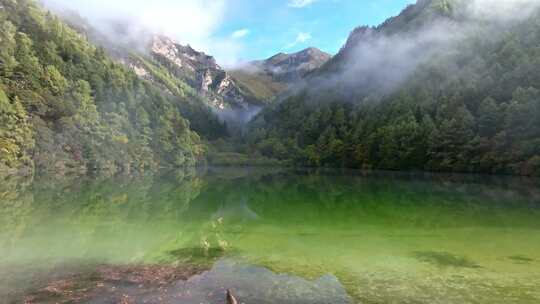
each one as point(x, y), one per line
point(180, 55)
point(311, 56)
point(198, 70)
point(292, 67)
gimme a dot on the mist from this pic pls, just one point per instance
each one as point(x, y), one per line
point(237, 119)
point(377, 61)
point(133, 23)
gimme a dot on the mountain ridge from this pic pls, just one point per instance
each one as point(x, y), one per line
point(269, 78)
point(294, 66)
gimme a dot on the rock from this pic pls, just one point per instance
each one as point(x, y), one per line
point(201, 72)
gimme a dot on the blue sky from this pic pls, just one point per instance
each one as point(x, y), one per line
point(268, 27)
point(240, 30)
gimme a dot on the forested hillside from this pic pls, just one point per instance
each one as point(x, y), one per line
point(447, 85)
point(435, 88)
point(137, 56)
point(65, 105)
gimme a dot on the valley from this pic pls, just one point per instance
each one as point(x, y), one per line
point(292, 151)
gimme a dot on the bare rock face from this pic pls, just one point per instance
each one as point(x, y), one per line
point(166, 48)
point(293, 67)
point(201, 72)
point(182, 56)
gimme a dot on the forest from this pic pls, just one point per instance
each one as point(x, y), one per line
point(67, 105)
point(476, 109)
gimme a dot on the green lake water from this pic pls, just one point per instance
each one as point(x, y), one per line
point(271, 236)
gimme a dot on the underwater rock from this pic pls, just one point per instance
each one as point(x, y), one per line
point(253, 284)
point(520, 259)
point(187, 285)
point(445, 259)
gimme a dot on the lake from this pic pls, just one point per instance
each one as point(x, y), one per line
point(270, 236)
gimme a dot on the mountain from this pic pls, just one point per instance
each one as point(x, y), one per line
point(210, 91)
point(65, 105)
point(293, 67)
point(268, 78)
point(200, 71)
point(214, 101)
point(447, 85)
point(131, 45)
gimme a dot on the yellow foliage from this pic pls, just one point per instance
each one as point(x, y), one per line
point(122, 139)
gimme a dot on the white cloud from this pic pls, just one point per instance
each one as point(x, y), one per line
point(193, 22)
point(301, 38)
point(186, 19)
point(300, 3)
point(240, 33)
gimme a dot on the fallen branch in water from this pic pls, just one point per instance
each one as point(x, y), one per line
point(230, 298)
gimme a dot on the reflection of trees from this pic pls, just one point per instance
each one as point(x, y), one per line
point(16, 207)
point(125, 197)
point(223, 201)
point(82, 216)
point(401, 200)
point(190, 207)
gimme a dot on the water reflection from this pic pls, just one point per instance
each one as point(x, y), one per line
point(310, 237)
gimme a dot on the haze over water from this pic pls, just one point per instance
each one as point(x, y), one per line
point(272, 236)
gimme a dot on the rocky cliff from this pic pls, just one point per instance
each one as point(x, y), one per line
point(200, 71)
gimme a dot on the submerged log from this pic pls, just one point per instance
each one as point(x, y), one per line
point(230, 298)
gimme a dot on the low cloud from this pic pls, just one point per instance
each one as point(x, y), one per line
point(193, 22)
point(375, 62)
point(502, 10)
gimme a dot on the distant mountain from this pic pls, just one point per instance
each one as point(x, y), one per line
point(270, 77)
point(292, 67)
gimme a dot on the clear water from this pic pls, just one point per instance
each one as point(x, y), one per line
point(271, 236)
